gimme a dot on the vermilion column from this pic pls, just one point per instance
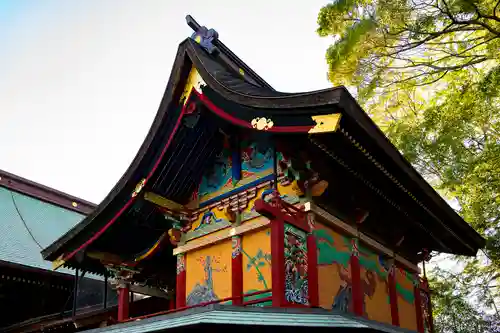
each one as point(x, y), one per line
point(237, 271)
point(357, 291)
point(123, 300)
point(312, 263)
point(278, 262)
point(418, 305)
point(393, 295)
point(180, 288)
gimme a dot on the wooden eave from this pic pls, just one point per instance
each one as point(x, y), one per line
point(121, 192)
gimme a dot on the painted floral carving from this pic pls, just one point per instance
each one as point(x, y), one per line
point(181, 265)
point(236, 246)
point(296, 283)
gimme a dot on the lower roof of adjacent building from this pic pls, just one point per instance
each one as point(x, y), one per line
point(245, 318)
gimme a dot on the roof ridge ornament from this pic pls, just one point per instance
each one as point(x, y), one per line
point(203, 36)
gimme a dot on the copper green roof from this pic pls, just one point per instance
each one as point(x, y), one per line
point(258, 319)
point(28, 223)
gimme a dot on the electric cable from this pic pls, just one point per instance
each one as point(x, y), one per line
point(22, 219)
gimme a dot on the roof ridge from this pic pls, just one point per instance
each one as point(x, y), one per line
point(41, 192)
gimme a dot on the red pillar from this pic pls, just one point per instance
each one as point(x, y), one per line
point(357, 290)
point(312, 267)
point(278, 262)
point(418, 306)
point(429, 306)
point(237, 271)
point(180, 288)
point(123, 301)
point(393, 295)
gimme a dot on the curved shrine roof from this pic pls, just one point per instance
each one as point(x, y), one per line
point(233, 92)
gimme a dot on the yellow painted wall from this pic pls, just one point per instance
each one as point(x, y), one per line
point(333, 264)
point(207, 282)
point(406, 301)
point(256, 251)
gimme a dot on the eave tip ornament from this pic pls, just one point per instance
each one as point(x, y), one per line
point(58, 262)
point(325, 123)
point(203, 36)
point(138, 188)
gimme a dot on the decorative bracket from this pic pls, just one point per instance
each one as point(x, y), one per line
point(274, 207)
point(123, 276)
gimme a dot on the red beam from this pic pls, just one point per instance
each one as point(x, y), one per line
point(201, 305)
point(244, 123)
point(259, 300)
point(272, 212)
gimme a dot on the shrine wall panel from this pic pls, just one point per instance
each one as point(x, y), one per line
point(334, 272)
point(256, 251)
point(256, 161)
point(217, 179)
point(216, 215)
point(375, 285)
point(208, 273)
point(406, 299)
point(233, 169)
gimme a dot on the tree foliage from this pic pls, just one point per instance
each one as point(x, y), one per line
point(453, 313)
point(428, 73)
point(407, 42)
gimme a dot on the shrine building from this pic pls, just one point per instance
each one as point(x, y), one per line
point(248, 206)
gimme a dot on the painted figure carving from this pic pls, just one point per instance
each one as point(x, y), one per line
point(329, 254)
point(343, 298)
point(256, 156)
point(208, 219)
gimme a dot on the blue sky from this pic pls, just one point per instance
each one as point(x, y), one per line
point(81, 80)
